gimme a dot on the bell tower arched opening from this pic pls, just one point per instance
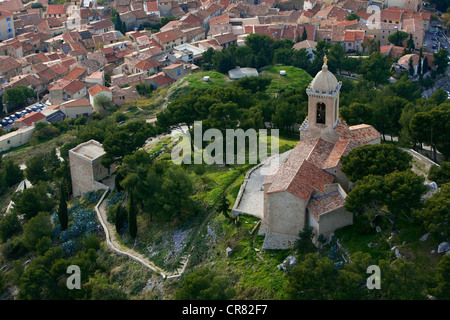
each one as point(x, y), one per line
point(321, 113)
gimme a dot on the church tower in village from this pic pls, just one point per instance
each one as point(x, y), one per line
point(309, 188)
point(323, 106)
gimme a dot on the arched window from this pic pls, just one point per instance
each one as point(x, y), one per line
point(320, 118)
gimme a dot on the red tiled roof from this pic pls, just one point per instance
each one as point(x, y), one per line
point(5, 14)
point(324, 204)
point(97, 89)
point(364, 133)
point(393, 15)
point(147, 64)
point(341, 148)
point(31, 117)
point(307, 178)
point(83, 102)
point(161, 79)
point(55, 9)
point(75, 73)
point(169, 35)
point(152, 6)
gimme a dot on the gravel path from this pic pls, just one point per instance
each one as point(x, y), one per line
point(115, 245)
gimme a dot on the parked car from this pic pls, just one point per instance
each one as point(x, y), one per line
point(433, 38)
point(18, 114)
point(28, 109)
point(34, 108)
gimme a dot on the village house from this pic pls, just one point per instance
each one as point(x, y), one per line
point(160, 79)
point(12, 48)
point(55, 11)
point(76, 107)
point(9, 67)
point(122, 95)
point(7, 30)
point(308, 45)
point(101, 26)
point(151, 7)
point(170, 38)
point(29, 120)
point(98, 90)
point(65, 90)
point(16, 138)
point(177, 70)
point(95, 78)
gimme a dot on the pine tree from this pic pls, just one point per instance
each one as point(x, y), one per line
point(62, 210)
point(132, 222)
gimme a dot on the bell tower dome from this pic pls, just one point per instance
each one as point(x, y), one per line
point(323, 103)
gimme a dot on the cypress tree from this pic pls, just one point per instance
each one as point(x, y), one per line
point(132, 222)
point(118, 23)
point(120, 217)
point(304, 35)
point(62, 210)
point(224, 205)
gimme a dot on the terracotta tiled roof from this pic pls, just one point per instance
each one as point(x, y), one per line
point(324, 204)
point(341, 148)
point(364, 133)
point(97, 89)
point(169, 35)
point(303, 182)
point(389, 14)
point(30, 118)
point(320, 152)
point(147, 64)
point(55, 9)
point(8, 63)
point(11, 5)
point(152, 6)
point(75, 73)
point(83, 102)
point(103, 24)
point(161, 79)
point(225, 38)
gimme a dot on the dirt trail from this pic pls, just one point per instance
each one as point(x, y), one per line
point(114, 243)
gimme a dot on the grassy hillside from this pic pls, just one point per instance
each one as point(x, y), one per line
point(294, 78)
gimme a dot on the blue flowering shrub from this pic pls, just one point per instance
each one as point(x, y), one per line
point(84, 223)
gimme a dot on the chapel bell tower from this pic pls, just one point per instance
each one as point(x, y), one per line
point(323, 105)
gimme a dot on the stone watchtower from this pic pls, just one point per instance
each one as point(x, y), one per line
point(323, 106)
point(85, 167)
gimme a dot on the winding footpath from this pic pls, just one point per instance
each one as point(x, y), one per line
point(114, 244)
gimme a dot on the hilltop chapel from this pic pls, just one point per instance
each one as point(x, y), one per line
point(309, 187)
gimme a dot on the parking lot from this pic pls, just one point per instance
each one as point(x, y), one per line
point(434, 39)
point(7, 122)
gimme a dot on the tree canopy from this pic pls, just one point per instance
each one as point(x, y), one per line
point(376, 159)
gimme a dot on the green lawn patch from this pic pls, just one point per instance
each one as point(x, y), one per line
point(295, 78)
